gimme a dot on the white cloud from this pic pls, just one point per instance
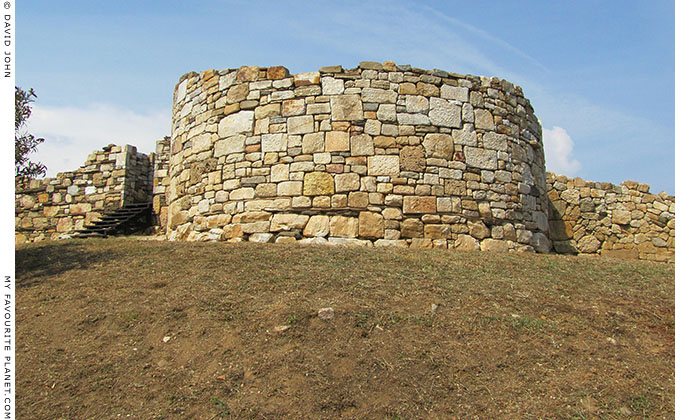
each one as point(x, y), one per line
point(72, 133)
point(558, 148)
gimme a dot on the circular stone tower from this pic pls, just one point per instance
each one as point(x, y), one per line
point(381, 155)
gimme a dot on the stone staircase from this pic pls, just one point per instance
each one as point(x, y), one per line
point(126, 220)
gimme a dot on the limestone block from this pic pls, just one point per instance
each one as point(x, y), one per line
point(300, 125)
point(495, 245)
point(495, 141)
point(347, 182)
point(621, 217)
point(437, 231)
point(415, 104)
point(392, 243)
point(387, 113)
point(232, 144)
point(372, 127)
point(383, 96)
point(370, 225)
point(421, 243)
point(438, 146)
point(317, 226)
point(346, 108)
point(277, 72)
point(318, 183)
point(313, 143)
point(412, 159)
point(248, 73)
point(323, 158)
point(201, 143)
point(237, 93)
point(256, 227)
point(456, 93)
point(290, 188)
point(465, 137)
point(419, 205)
point(341, 226)
point(444, 113)
point(293, 107)
point(412, 119)
point(242, 193)
point(332, 86)
point(361, 145)
point(540, 243)
point(306, 79)
point(588, 244)
point(407, 89)
point(280, 172)
point(64, 224)
point(466, 243)
point(478, 230)
point(388, 165)
point(282, 221)
point(358, 199)
point(239, 123)
point(270, 110)
point(481, 158)
point(337, 141)
point(274, 142)
point(484, 120)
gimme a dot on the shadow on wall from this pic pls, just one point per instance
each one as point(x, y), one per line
point(51, 258)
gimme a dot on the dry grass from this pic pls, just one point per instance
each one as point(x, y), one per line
point(515, 336)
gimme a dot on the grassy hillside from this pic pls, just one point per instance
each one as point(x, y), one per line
point(120, 328)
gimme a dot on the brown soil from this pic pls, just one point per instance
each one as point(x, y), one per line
point(117, 328)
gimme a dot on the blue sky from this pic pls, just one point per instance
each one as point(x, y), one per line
point(599, 74)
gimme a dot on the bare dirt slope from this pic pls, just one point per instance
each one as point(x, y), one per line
point(111, 329)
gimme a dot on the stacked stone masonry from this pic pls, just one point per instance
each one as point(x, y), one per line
point(380, 155)
point(623, 221)
point(51, 207)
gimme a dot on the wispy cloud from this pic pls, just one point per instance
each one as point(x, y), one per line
point(72, 133)
point(558, 148)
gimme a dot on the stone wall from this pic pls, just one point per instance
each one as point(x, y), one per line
point(616, 220)
point(161, 180)
point(51, 207)
point(380, 154)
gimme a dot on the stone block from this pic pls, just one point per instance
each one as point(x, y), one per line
point(318, 183)
point(277, 73)
point(466, 243)
point(290, 188)
point(445, 114)
point(300, 125)
point(306, 79)
point(419, 205)
point(437, 231)
point(280, 172)
point(358, 199)
point(388, 165)
point(370, 225)
point(239, 123)
point(412, 159)
point(293, 107)
point(415, 104)
point(317, 226)
point(387, 113)
point(332, 86)
point(361, 145)
point(346, 108)
point(274, 142)
point(484, 120)
point(478, 230)
point(283, 221)
point(226, 146)
point(313, 143)
point(438, 146)
point(457, 93)
point(383, 96)
point(481, 158)
point(337, 141)
point(341, 226)
point(495, 245)
point(347, 182)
